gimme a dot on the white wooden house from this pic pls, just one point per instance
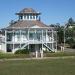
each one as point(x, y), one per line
point(29, 32)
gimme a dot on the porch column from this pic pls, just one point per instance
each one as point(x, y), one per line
point(36, 49)
point(36, 54)
point(42, 46)
point(52, 41)
point(42, 36)
point(29, 17)
point(32, 17)
point(46, 37)
point(35, 37)
point(42, 52)
point(13, 42)
point(20, 39)
point(35, 17)
point(28, 38)
point(5, 48)
point(26, 17)
point(23, 17)
point(56, 41)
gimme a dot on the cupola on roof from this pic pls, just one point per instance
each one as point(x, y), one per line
point(28, 11)
point(28, 18)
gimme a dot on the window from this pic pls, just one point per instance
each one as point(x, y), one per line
point(33, 17)
point(28, 17)
point(24, 16)
point(9, 36)
point(21, 17)
point(17, 35)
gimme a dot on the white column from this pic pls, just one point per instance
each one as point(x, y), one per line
point(42, 36)
point(56, 41)
point(46, 37)
point(35, 37)
point(29, 17)
point(35, 17)
point(36, 54)
point(42, 46)
point(13, 41)
point(32, 17)
point(23, 17)
point(26, 17)
point(42, 52)
point(28, 38)
point(5, 41)
point(20, 39)
point(52, 41)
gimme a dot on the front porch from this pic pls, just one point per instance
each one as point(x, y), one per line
point(22, 38)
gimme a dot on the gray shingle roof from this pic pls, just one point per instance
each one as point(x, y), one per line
point(28, 24)
point(27, 11)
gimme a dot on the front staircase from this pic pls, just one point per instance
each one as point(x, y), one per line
point(51, 50)
point(22, 46)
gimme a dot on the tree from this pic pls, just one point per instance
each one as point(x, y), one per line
point(60, 33)
point(71, 22)
point(70, 33)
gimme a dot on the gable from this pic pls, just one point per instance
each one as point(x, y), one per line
point(35, 26)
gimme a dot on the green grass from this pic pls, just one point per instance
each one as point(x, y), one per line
point(58, 54)
point(7, 56)
point(38, 67)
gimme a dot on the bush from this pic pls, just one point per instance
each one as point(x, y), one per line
point(22, 51)
point(71, 42)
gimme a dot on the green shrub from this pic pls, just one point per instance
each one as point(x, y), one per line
point(22, 51)
point(71, 42)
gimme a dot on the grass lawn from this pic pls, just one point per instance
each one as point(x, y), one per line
point(38, 67)
point(58, 54)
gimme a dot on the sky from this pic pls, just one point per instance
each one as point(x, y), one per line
point(53, 11)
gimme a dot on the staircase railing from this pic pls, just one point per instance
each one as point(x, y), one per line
point(48, 47)
point(24, 45)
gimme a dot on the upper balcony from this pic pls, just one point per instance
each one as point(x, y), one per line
point(33, 37)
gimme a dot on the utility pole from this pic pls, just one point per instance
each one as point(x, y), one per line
point(64, 35)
